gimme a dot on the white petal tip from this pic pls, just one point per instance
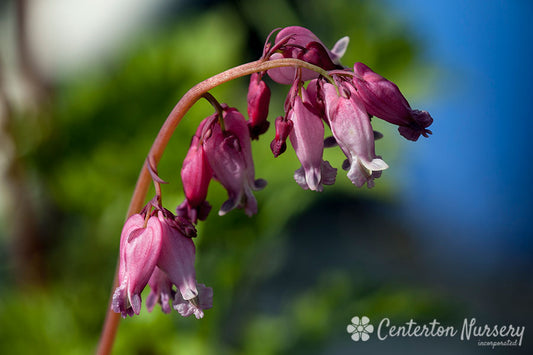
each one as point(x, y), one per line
point(340, 48)
point(375, 165)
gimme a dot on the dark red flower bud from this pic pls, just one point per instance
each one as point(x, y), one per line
point(283, 129)
point(258, 101)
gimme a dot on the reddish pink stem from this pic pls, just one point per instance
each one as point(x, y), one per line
point(158, 147)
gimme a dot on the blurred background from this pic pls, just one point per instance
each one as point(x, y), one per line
point(445, 234)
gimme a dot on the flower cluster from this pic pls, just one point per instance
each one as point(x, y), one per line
point(220, 150)
point(156, 246)
point(345, 101)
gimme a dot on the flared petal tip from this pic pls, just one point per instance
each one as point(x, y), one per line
point(315, 179)
point(227, 206)
point(120, 304)
point(364, 172)
point(259, 184)
point(136, 302)
point(195, 305)
point(418, 127)
point(376, 164)
point(413, 133)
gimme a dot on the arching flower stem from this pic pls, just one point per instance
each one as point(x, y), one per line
point(160, 143)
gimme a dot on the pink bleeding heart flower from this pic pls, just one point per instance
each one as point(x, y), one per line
point(140, 245)
point(350, 125)
point(176, 260)
point(383, 99)
point(175, 266)
point(229, 154)
point(160, 253)
point(307, 139)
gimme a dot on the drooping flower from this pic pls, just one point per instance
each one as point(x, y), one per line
point(175, 266)
point(307, 139)
point(229, 154)
point(350, 125)
point(160, 253)
point(258, 100)
point(176, 258)
point(383, 99)
point(299, 42)
point(140, 245)
point(196, 175)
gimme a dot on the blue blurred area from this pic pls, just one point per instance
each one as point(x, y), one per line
point(470, 184)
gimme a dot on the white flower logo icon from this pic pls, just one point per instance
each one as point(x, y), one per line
point(360, 328)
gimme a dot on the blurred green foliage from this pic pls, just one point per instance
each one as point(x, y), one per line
point(285, 281)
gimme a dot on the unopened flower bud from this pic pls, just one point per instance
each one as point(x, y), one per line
point(258, 101)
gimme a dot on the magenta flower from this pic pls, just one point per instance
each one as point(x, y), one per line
point(307, 139)
point(353, 132)
point(258, 101)
point(161, 254)
point(196, 175)
point(176, 259)
point(229, 154)
point(140, 245)
point(299, 42)
point(383, 99)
